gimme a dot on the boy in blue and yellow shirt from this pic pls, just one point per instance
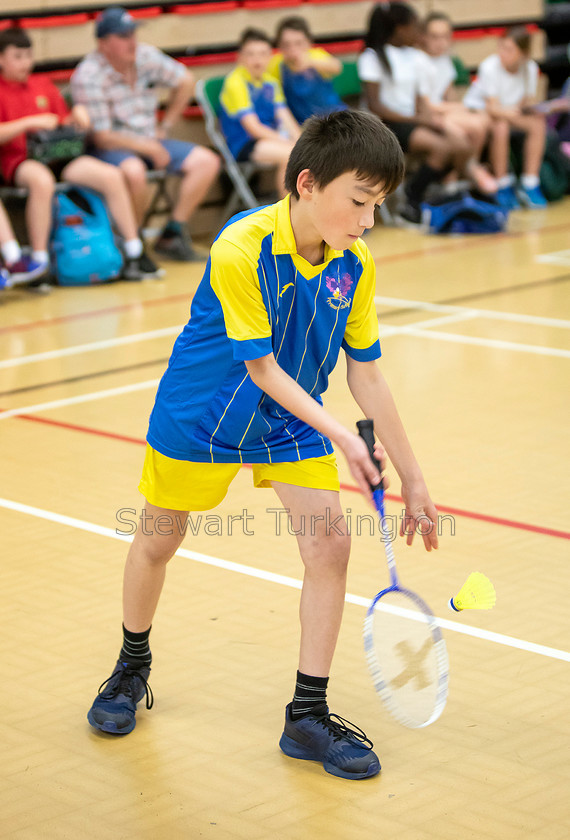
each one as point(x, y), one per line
point(286, 287)
point(305, 71)
point(254, 117)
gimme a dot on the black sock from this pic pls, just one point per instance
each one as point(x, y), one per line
point(420, 181)
point(172, 228)
point(135, 647)
point(309, 693)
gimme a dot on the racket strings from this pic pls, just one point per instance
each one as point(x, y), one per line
point(341, 728)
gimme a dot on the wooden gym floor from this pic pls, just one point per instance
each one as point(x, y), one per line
point(476, 348)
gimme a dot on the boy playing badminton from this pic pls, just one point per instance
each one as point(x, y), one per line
point(285, 288)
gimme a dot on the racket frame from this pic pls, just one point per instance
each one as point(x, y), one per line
point(366, 431)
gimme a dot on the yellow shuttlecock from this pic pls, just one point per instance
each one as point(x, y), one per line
point(477, 593)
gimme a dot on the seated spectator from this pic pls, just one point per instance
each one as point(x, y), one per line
point(254, 117)
point(506, 87)
point(30, 103)
point(305, 71)
point(388, 67)
point(437, 74)
point(18, 268)
point(115, 83)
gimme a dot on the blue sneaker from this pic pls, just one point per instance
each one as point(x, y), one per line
point(5, 279)
point(26, 269)
point(507, 198)
point(320, 736)
point(115, 705)
point(533, 198)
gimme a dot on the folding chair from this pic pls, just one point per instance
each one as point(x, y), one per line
point(208, 96)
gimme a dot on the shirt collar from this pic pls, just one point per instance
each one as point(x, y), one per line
point(284, 238)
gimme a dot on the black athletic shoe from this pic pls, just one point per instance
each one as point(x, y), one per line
point(177, 248)
point(141, 268)
point(343, 750)
point(114, 708)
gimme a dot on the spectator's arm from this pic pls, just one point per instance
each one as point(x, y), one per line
point(36, 122)
point(256, 129)
point(288, 123)
point(372, 96)
point(181, 94)
point(324, 63)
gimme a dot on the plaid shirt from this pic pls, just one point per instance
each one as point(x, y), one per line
point(112, 103)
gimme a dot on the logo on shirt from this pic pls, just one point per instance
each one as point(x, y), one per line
point(42, 101)
point(284, 289)
point(338, 287)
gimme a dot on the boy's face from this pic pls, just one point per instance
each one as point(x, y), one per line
point(510, 55)
point(437, 38)
point(293, 45)
point(344, 209)
point(255, 57)
point(16, 63)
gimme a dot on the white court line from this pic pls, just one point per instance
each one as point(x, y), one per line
point(497, 344)
point(95, 395)
point(554, 258)
point(387, 331)
point(492, 314)
point(283, 580)
point(88, 348)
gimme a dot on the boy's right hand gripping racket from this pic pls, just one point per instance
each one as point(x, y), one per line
point(405, 650)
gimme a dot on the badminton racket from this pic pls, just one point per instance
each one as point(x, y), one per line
point(405, 650)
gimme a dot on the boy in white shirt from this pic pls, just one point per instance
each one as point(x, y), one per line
point(505, 88)
point(437, 74)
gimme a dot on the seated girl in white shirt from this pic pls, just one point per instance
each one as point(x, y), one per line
point(437, 76)
point(505, 88)
point(388, 67)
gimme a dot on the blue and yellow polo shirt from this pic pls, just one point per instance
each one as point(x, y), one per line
point(257, 297)
point(307, 93)
point(242, 95)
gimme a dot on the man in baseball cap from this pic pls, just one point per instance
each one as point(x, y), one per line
point(114, 20)
point(117, 84)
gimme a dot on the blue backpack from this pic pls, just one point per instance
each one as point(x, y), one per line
point(83, 249)
point(464, 213)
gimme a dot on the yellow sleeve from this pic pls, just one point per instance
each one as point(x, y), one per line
point(278, 95)
point(235, 96)
point(274, 68)
point(234, 281)
point(321, 55)
point(361, 334)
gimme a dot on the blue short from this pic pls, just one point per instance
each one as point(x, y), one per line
point(177, 149)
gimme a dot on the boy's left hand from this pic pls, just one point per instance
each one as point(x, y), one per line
point(420, 516)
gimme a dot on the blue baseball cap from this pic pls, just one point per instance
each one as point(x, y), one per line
point(115, 20)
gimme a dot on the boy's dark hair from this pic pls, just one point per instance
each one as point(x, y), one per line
point(346, 141)
point(251, 34)
point(383, 22)
point(521, 36)
point(434, 16)
point(297, 24)
point(14, 37)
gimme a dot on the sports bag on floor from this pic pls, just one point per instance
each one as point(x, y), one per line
point(83, 249)
point(464, 212)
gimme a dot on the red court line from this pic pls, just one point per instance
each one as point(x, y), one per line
point(404, 255)
point(467, 514)
point(93, 313)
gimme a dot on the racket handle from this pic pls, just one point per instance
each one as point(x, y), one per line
point(366, 432)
